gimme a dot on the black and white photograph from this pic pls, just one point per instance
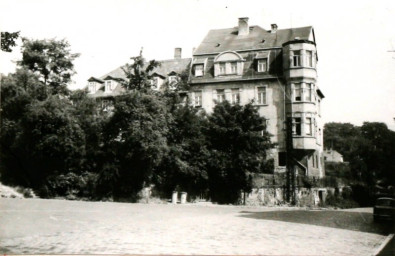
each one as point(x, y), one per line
point(197, 127)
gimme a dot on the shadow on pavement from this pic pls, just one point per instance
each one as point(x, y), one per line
point(356, 221)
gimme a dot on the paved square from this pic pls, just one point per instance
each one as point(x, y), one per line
point(36, 226)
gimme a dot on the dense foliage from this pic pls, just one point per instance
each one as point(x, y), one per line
point(8, 40)
point(51, 60)
point(369, 150)
point(61, 143)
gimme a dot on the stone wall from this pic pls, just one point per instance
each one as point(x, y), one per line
point(270, 190)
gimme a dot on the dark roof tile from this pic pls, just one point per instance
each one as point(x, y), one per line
point(220, 40)
point(165, 67)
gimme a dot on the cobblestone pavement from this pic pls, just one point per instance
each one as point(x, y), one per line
point(35, 226)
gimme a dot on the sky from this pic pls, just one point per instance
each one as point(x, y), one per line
point(356, 68)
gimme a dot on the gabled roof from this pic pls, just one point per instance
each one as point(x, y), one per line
point(165, 67)
point(220, 40)
point(94, 79)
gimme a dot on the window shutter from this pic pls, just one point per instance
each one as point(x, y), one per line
point(270, 60)
point(214, 95)
point(314, 59)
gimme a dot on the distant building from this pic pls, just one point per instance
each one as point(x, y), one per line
point(109, 85)
point(331, 155)
point(275, 69)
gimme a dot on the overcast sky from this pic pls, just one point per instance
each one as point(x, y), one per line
point(354, 38)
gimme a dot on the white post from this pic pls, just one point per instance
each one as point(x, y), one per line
point(174, 197)
point(183, 197)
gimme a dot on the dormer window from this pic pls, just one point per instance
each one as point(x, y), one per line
point(155, 83)
point(262, 61)
point(262, 65)
point(199, 70)
point(92, 87)
point(228, 63)
point(172, 79)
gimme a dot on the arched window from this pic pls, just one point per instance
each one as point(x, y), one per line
point(228, 63)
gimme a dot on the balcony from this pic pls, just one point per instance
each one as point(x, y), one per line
point(305, 72)
point(304, 143)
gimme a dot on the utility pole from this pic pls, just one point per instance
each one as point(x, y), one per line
point(290, 169)
point(290, 162)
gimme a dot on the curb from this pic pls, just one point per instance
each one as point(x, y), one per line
point(383, 244)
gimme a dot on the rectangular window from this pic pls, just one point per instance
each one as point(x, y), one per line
point(235, 96)
point(282, 158)
point(198, 70)
point(222, 69)
point(298, 92)
point(198, 99)
point(262, 65)
point(297, 126)
point(296, 59)
point(233, 67)
point(309, 58)
point(309, 92)
point(262, 96)
point(309, 126)
point(220, 95)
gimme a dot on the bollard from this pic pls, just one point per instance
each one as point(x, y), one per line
point(174, 197)
point(183, 197)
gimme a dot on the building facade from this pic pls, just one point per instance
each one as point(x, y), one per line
point(274, 69)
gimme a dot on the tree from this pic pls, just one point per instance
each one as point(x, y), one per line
point(51, 60)
point(85, 110)
point(379, 157)
point(184, 167)
point(138, 73)
point(135, 141)
point(46, 140)
point(237, 140)
point(8, 40)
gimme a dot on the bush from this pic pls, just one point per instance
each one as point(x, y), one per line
point(339, 201)
point(26, 192)
point(72, 186)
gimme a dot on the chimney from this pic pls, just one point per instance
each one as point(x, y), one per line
point(274, 28)
point(243, 26)
point(193, 50)
point(177, 53)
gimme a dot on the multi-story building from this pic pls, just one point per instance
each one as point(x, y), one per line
point(275, 69)
point(109, 85)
